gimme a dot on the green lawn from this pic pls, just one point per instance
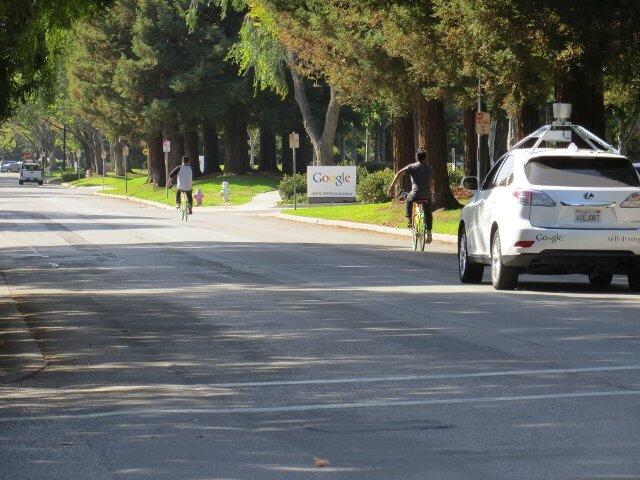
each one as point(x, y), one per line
point(243, 187)
point(387, 214)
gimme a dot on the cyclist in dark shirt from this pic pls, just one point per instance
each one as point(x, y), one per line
point(421, 175)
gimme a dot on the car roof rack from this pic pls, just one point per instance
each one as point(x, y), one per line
point(561, 130)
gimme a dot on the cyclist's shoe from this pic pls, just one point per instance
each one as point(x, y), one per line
point(409, 225)
point(429, 237)
point(190, 211)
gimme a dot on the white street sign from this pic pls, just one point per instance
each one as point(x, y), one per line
point(104, 155)
point(294, 140)
point(166, 146)
point(483, 123)
point(327, 184)
point(125, 150)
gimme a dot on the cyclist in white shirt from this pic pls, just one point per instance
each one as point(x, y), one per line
point(185, 182)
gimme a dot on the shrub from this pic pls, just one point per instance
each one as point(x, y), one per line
point(455, 177)
point(375, 166)
point(69, 177)
point(373, 187)
point(286, 187)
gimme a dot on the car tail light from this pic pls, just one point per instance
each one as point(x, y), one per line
point(632, 201)
point(524, 243)
point(533, 198)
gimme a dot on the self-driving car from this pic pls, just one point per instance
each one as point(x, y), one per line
point(562, 201)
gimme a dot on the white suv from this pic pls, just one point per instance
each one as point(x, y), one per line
point(31, 172)
point(553, 211)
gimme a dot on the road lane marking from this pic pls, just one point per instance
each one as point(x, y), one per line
point(403, 378)
point(316, 407)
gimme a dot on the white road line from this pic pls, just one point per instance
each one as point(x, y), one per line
point(403, 378)
point(328, 406)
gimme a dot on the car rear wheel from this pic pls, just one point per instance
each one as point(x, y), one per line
point(20, 182)
point(601, 279)
point(634, 280)
point(502, 276)
point(469, 272)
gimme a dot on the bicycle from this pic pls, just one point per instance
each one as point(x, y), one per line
point(419, 233)
point(183, 213)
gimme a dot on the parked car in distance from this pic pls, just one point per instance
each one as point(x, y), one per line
point(31, 172)
point(10, 166)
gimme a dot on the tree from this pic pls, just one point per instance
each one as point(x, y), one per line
point(31, 37)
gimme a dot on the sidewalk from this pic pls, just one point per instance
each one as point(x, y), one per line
point(262, 202)
point(20, 355)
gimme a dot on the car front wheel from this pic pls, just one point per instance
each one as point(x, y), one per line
point(634, 280)
point(502, 276)
point(601, 279)
point(469, 272)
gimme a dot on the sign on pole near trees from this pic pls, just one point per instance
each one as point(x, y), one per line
point(483, 123)
point(166, 146)
point(294, 140)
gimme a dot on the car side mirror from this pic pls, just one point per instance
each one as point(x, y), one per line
point(470, 183)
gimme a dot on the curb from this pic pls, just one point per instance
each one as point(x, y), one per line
point(403, 232)
point(20, 355)
point(134, 200)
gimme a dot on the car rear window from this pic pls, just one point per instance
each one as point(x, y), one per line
point(31, 166)
point(582, 172)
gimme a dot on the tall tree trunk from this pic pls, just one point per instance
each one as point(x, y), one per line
point(385, 154)
point(286, 154)
point(324, 140)
point(304, 155)
point(118, 158)
point(192, 150)
point(155, 160)
point(176, 138)
point(526, 120)
point(367, 143)
point(236, 138)
point(97, 153)
point(582, 86)
point(403, 143)
point(470, 142)
point(433, 134)
point(354, 143)
point(211, 153)
point(268, 159)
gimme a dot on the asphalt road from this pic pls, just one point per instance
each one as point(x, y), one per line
point(242, 347)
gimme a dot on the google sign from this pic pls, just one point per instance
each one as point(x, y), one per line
point(331, 184)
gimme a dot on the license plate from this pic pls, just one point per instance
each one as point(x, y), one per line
point(588, 216)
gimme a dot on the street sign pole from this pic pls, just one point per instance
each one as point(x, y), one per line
point(104, 158)
point(125, 154)
point(294, 143)
point(166, 148)
point(483, 122)
point(295, 192)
